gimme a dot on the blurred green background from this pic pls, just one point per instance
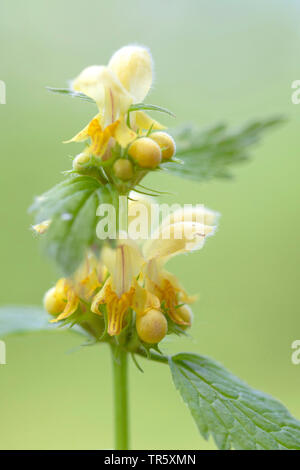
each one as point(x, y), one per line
point(215, 61)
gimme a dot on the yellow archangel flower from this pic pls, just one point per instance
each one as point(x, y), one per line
point(183, 231)
point(170, 240)
point(124, 264)
point(64, 299)
point(122, 291)
point(133, 277)
point(124, 81)
point(128, 263)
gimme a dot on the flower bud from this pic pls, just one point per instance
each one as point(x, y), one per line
point(166, 144)
point(186, 314)
point(152, 327)
point(54, 302)
point(123, 169)
point(80, 161)
point(145, 152)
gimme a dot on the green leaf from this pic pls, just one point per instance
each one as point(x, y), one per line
point(233, 413)
point(71, 206)
point(149, 107)
point(72, 93)
point(28, 319)
point(210, 153)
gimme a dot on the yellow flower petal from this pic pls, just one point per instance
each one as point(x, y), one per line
point(124, 135)
point(99, 137)
point(100, 84)
point(100, 297)
point(184, 297)
point(89, 83)
point(152, 270)
point(170, 295)
point(144, 122)
point(83, 134)
point(62, 287)
point(198, 214)
point(71, 306)
point(133, 67)
point(127, 267)
point(108, 257)
point(124, 264)
point(181, 237)
point(89, 284)
point(167, 288)
point(116, 306)
point(144, 301)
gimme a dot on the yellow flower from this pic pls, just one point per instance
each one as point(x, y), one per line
point(169, 240)
point(134, 277)
point(122, 290)
point(124, 264)
point(61, 300)
point(69, 293)
point(124, 81)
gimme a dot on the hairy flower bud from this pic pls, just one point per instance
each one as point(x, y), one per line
point(152, 327)
point(145, 152)
point(186, 314)
point(54, 302)
point(166, 144)
point(80, 161)
point(123, 169)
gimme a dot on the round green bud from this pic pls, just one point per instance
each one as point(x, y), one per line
point(123, 169)
point(81, 161)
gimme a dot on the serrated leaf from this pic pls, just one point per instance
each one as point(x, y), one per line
point(236, 415)
point(71, 206)
point(28, 319)
point(210, 153)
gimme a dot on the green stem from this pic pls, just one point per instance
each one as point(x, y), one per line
point(121, 400)
point(153, 356)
